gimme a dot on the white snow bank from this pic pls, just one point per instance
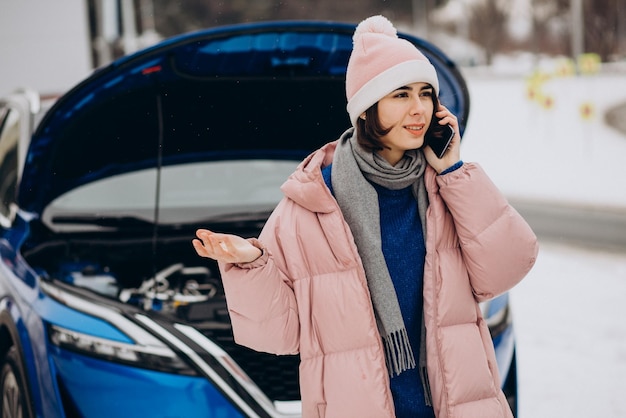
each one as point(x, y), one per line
point(546, 149)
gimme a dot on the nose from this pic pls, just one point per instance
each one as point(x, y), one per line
point(417, 107)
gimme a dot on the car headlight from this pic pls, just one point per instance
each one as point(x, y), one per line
point(146, 351)
point(151, 357)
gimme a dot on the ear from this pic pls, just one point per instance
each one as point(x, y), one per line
point(362, 116)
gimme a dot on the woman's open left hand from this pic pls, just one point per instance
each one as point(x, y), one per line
point(453, 154)
point(226, 248)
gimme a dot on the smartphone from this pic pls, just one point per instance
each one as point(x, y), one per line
point(438, 138)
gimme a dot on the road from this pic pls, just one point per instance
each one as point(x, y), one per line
point(587, 225)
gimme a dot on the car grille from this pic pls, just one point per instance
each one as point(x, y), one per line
point(277, 376)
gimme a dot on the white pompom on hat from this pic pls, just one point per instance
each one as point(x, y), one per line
point(380, 63)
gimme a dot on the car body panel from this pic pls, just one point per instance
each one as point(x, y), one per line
point(170, 395)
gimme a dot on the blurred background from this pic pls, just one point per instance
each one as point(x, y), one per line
point(47, 43)
point(547, 81)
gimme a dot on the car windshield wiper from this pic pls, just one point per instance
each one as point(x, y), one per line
point(105, 221)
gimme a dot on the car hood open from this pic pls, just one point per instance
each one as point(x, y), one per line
point(267, 90)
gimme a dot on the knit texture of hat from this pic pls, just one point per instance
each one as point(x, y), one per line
point(380, 63)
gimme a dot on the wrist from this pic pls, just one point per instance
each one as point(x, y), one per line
point(452, 168)
point(250, 263)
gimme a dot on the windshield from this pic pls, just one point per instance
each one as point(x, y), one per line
point(188, 193)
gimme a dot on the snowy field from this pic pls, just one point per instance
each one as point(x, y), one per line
point(570, 311)
point(553, 153)
point(570, 319)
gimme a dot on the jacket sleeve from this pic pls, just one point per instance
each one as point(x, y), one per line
point(499, 247)
point(261, 301)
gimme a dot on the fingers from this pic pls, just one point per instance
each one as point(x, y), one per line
point(200, 248)
point(224, 247)
point(204, 248)
point(220, 245)
point(210, 244)
point(204, 234)
point(447, 117)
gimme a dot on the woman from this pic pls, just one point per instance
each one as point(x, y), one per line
point(373, 264)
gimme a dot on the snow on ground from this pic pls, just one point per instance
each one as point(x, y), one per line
point(570, 311)
point(570, 316)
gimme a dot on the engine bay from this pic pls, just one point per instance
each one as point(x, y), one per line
point(165, 276)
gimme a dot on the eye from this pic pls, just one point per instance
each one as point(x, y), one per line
point(426, 93)
point(401, 94)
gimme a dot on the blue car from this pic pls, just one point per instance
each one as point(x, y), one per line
point(105, 309)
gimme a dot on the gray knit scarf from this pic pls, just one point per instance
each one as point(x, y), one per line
point(352, 167)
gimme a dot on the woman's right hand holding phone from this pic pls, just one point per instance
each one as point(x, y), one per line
point(227, 248)
point(453, 154)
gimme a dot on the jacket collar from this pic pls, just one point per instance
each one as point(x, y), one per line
point(306, 186)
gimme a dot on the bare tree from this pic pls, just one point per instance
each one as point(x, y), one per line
point(602, 27)
point(174, 17)
point(488, 20)
point(604, 20)
point(551, 26)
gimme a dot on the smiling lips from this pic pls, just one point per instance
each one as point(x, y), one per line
point(415, 129)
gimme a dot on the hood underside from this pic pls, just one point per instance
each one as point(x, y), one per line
point(272, 90)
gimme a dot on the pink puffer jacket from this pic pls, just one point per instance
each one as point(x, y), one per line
point(308, 294)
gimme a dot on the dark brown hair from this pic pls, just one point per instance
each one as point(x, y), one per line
point(370, 130)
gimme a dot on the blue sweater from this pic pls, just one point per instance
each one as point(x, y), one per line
point(404, 251)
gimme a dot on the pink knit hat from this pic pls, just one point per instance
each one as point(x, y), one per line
point(380, 63)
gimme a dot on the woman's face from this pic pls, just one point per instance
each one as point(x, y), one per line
point(407, 111)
